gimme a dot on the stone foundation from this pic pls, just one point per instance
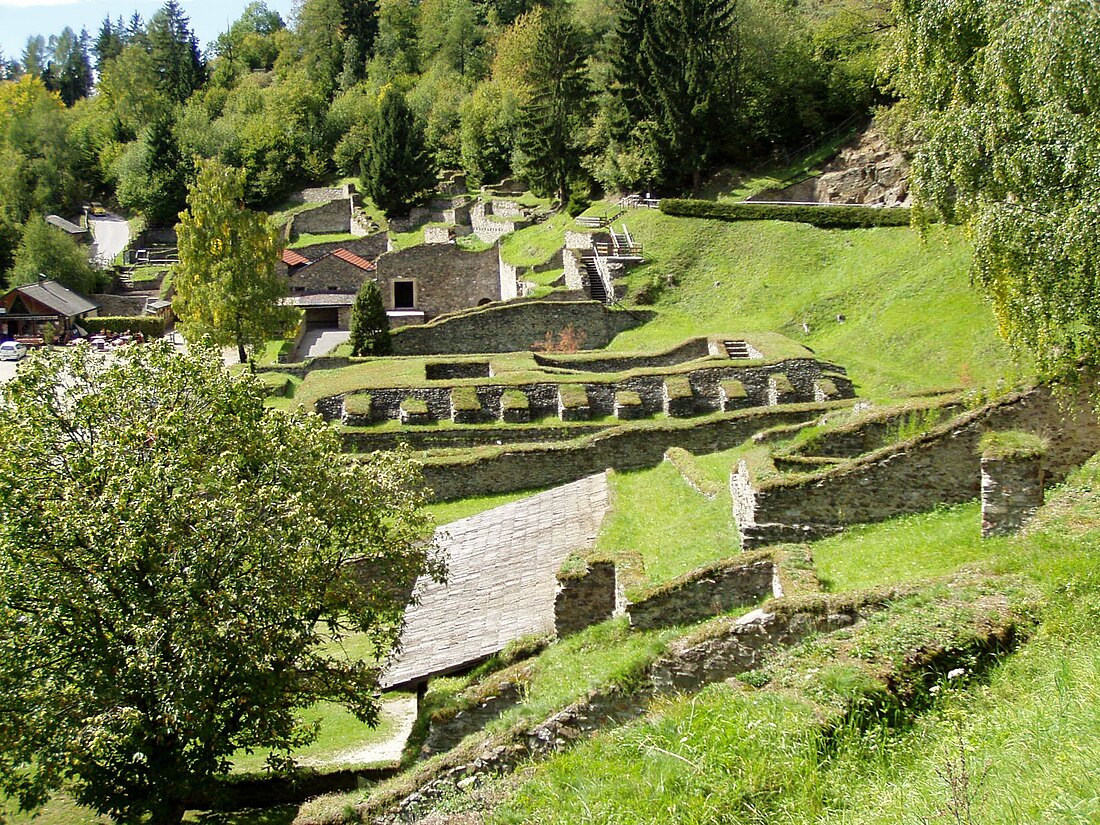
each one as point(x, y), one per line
point(704, 593)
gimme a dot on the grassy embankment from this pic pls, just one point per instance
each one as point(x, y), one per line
point(1017, 743)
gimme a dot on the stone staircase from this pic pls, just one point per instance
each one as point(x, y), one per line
point(737, 349)
point(594, 283)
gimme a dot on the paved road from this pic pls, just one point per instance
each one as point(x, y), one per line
point(7, 370)
point(111, 233)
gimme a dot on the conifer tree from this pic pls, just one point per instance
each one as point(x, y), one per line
point(370, 327)
point(108, 43)
point(630, 68)
point(396, 168)
point(175, 52)
point(554, 114)
point(685, 47)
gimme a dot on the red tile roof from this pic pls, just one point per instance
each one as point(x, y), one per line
point(354, 260)
point(292, 258)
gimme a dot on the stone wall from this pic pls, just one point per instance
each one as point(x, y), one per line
point(444, 734)
point(489, 226)
point(585, 600)
point(327, 218)
point(652, 390)
point(366, 441)
point(513, 327)
point(621, 448)
point(438, 234)
point(940, 467)
point(447, 278)
point(509, 280)
point(1012, 490)
point(704, 593)
point(739, 645)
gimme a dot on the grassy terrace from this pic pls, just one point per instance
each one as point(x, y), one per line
point(512, 369)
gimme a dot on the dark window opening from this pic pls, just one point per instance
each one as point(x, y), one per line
point(404, 295)
point(484, 301)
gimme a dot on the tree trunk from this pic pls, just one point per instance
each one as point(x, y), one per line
point(169, 812)
point(241, 353)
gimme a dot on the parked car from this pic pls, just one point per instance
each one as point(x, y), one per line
point(97, 209)
point(12, 351)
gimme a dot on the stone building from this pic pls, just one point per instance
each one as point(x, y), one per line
point(425, 281)
point(325, 288)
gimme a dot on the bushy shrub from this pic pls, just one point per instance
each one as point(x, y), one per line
point(824, 216)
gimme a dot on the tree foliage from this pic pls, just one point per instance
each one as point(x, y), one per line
point(370, 327)
point(46, 250)
point(395, 170)
point(175, 561)
point(226, 285)
point(1006, 96)
point(556, 107)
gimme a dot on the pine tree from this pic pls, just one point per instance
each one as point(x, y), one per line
point(71, 68)
point(630, 68)
point(108, 43)
point(686, 52)
point(396, 168)
point(554, 114)
point(175, 52)
point(359, 21)
point(370, 327)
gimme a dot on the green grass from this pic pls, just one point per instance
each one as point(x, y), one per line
point(645, 504)
point(340, 733)
point(144, 274)
point(605, 654)
point(444, 512)
point(536, 244)
point(912, 320)
point(906, 549)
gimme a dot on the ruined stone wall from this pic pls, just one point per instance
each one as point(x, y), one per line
point(585, 600)
point(941, 467)
point(513, 327)
point(688, 351)
point(625, 448)
point(466, 437)
point(704, 593)
point(328, 218)
point(1012, 491)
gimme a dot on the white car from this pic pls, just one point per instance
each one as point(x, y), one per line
point(12, 351)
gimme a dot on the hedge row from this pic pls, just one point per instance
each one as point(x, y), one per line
point(151, 326)
point(825, 216)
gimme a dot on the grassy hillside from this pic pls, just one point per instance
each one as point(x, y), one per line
point(911, 320)
point(1017, 743)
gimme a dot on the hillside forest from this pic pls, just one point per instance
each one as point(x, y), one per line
point(574, 98)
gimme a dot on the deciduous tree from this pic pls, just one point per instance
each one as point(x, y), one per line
point(175, 562)
point(46, 250)
point(1006, 97)
point(226, 285)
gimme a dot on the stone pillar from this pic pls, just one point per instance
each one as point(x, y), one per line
point(1012, 490)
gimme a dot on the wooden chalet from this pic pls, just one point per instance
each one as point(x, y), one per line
point(25, 310)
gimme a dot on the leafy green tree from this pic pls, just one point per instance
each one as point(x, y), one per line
point(226, 285)
point(152, 175)
point(395, 170)
point(370, 327)
point(489, 122)
point(1006, 99)
point(556, 112)
point(176, 562)
point(46, 250)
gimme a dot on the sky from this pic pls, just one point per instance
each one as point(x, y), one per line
point(20, 19)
